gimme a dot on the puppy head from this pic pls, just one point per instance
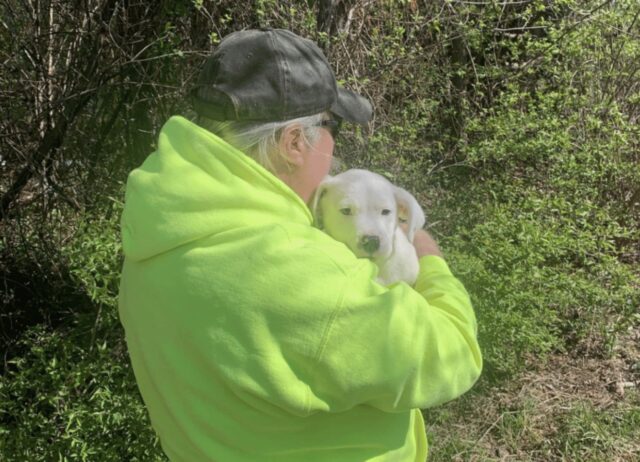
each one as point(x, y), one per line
point(360, 209)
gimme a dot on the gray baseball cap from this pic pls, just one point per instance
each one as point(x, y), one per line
point(272, 75)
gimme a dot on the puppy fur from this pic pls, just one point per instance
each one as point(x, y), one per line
point(364, 210)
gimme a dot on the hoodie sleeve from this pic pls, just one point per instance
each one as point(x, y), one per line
point(398, 348)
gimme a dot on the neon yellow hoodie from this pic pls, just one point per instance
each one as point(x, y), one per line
point(256, 337)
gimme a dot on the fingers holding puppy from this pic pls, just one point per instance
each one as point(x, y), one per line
point(425, 244)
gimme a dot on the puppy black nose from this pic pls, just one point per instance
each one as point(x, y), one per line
point(369, 243)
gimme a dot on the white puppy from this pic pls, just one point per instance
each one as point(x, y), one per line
point(364, 210)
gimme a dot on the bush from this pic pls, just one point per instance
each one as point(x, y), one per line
point(539, 229)
point(65, 399)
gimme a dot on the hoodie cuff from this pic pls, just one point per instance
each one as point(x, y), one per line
point(433, 265)
point(432, 268)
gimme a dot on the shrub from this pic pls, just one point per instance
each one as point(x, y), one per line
point(66, 400)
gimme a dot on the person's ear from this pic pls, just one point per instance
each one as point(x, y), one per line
point(293, 145)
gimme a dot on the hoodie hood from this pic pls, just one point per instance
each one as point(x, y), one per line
point(194, 178)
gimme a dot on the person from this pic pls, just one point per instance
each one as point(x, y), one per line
point(253, 335)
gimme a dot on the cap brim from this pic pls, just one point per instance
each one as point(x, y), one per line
point(352, 107)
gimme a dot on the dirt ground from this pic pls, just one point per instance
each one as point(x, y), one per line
point(575, 408)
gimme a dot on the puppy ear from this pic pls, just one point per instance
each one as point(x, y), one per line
point(409, 211)
point(315, 203)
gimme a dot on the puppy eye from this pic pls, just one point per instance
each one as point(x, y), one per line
point(386, 212)
point(345, 211)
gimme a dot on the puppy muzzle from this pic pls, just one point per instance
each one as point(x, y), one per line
point(370, 244)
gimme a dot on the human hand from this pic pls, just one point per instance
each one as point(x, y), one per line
point(425, 244)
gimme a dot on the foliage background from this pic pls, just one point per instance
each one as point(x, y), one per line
point(514, 123)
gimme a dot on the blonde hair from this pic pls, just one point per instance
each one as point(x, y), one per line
point(259, 140)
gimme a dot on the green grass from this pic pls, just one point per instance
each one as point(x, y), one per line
point(535, 423)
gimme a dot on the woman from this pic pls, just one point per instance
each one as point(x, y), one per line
point(254, 336)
